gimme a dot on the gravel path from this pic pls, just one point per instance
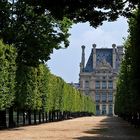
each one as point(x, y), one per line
point(86, 128)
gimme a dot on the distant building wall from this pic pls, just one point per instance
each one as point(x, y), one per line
point(98, 77)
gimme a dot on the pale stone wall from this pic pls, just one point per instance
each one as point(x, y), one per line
point(102, 72)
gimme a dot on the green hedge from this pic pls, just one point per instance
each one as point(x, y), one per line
point(35, 88)
point(7, 75)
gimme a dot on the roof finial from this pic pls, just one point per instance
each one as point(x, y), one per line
point(94, 45)
point(83, 47)
point(113, 45)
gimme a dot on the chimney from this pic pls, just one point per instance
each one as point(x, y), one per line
point(114, 56)
point(82, 64)
point(94, 56)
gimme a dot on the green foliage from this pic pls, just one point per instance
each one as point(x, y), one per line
point(34, 34)
point(128, 89)
point(93, 11)
point(63, 97)
point(7, 75)
point(35, 88)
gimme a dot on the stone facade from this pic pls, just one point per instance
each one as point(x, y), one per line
point(98, 77)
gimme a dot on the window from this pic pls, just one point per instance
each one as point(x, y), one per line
point(104, 77)
point(104, 85)
point(110, 77)
point(103, 109)
point(110, 85)
point(110, 110)
point(104, 97)
point(97, 97)
point(110, 97)
point(97, 109)
point(97, 85)
point(86, 84)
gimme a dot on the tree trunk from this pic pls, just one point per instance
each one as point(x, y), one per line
point(29, 117)
point(17, 117)
point(34, 116)
point(24, 117)
point(46, 116)
point(3, 119)
point(39, 117)
point(43, 116)
point(11, 119)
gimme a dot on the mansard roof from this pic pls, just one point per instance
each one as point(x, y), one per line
point(101, 54)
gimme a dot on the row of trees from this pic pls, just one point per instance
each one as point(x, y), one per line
point(30, 90)
point(128, 87)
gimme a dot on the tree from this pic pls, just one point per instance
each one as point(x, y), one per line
point(95, 11)
point(34, 34)
point(127, 98)
point(7, 80)
point(37, 27)
point(7, 75)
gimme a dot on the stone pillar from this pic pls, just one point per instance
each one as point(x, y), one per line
point(120, 51)
point(100, 84)
point(82, 64)
point(114, 56)
point(107, 109)
point(113, 109)
point(94, 56)
point(100, 109)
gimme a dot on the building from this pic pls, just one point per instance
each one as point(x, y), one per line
point(75, 85)
point(98, 77)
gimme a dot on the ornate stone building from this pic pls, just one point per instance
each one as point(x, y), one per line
point(98, 76)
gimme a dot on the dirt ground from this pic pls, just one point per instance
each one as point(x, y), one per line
point(86, 128)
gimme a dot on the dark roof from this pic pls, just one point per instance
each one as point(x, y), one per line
point(102, 53)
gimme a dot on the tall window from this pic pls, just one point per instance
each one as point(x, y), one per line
point(103, 109)
point(104, 85)
point(110, 84)
point(86, 84)
point(97, 97)
point(104, 97)
point(97, 84)
point(110, 109)
point(110, 97)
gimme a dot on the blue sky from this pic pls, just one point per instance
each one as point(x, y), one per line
point(65, 62)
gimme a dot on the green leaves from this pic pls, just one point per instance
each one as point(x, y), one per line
point(7, 75)
point(34, 34)
point(128, 97)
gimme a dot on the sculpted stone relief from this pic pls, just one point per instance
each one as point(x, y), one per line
point(104, 65)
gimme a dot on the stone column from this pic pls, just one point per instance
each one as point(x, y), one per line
point(82, 64)
point(100, 84)
point(94, 56)
point(100, 107)
point(114, 56)
point(113, 109)
point(107, 109)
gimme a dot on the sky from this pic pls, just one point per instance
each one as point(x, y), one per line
point(65, 62)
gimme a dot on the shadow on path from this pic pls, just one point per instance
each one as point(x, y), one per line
point(112, 128)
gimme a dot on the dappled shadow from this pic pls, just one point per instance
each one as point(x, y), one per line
point(105, 138)
point(96, 131)
point(111, 128)
point(15, 129)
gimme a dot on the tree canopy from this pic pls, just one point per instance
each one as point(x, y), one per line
point(34, 34)
point(128, 97)
point(94, 11)
point(36, 27)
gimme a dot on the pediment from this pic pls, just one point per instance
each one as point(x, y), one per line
point(103, 65)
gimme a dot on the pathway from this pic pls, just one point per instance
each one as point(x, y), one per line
point(86, 128)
